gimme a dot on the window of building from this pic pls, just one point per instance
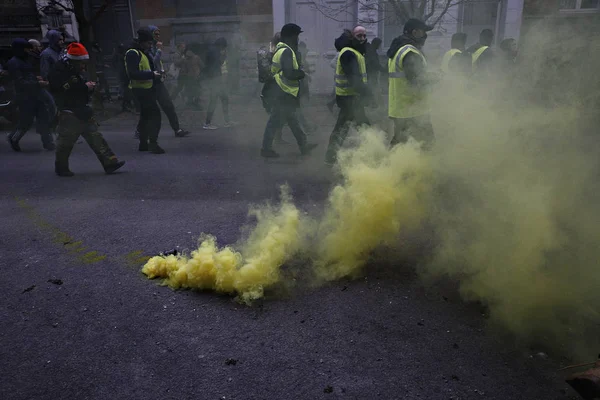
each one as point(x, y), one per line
point(585, 5)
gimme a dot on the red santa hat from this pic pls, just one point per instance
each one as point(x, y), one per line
point(76, 51)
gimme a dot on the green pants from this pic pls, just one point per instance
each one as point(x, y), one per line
point(70, 128)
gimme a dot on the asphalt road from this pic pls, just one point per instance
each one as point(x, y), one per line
point(79, 320)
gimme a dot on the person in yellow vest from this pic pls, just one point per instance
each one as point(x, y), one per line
point(142, 77)
point(408, 84)
point(351, 90)
point(456, 62)
point(483, 55)
point(287, 74)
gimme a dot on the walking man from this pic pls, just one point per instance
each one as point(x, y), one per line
point(408, 82)
point(351, 89)
point(143, 78)
point(76, 117)
point(216, 73)
point(29, 96)
point(162, 93)
point(287, 73)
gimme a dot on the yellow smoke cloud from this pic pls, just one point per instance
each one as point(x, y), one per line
point(275, 238)
point(509, 188)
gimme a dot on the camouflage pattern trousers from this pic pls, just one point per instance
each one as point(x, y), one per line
point(70, 128)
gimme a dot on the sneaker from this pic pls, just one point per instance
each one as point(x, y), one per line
point(154, 148)
point(113, 167)
point(210, 127)
point(269, 153)
point(181, 133)
point(229, 124)
point(307, 148)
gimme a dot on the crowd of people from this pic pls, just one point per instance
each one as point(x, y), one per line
point(357, 74)
point(53, 87)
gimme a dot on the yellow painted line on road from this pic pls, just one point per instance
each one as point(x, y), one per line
point(73, 246)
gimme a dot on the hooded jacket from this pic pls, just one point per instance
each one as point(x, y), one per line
point(132, 62)
point(51, 54)
point(22, 71)
point(413, 66)
point(214, 59)
point(349, 63)
point(154, 51)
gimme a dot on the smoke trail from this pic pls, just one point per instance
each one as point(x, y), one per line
point(382, 193)
point(271, 243)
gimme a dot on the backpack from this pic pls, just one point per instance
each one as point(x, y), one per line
point(264, 58)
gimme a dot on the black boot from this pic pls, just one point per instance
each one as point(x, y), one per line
point(143, 142)
point(62, 169)
point(307, 148)
point(269, 153)
point(109, 169)
point(154, 148)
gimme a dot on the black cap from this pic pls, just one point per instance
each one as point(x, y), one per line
point(290, 30)
point(145, 35)
point(414, 23)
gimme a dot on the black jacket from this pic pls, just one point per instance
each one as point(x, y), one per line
point(69, 89)
point(374, 67)
point(413, 66)
point(272, 92)
point(23, 72)
point(214, 61)
point(132, 59)
point(485, 62)
point(349, 64)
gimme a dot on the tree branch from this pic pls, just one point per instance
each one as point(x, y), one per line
point(57, 4)
point(101, 10)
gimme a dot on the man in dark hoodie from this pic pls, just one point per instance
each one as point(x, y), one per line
point(162, 94)
point(408, 82)
point(76, 116)
point(143, 78)
point(216, 73)
point(483, 55)
point(29, 97)
point(351, 88)
point(51, 54)
point(284, 93)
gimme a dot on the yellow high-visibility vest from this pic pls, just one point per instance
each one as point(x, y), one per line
point(447, 57)
point(342, 83)
point(144, 65)
point(287, 85)
point(405, 100)
point(478, 54)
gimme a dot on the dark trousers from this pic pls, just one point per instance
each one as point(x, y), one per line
point(30, 109)
point(217, 90)
point(419, 128)
point(150, 118)
point(69, 130)
point(283, 111)
point(352, 111)
point(165, 102)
